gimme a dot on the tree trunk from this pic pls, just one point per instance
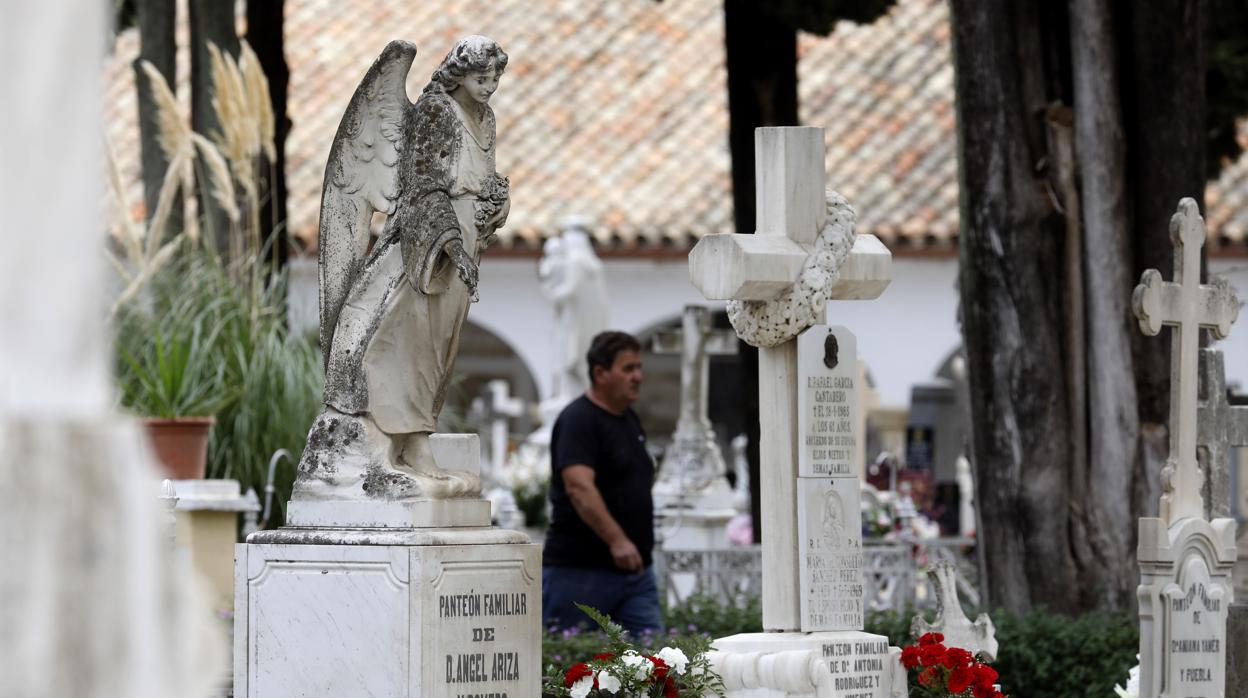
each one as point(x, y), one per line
point(1165, 78)
point(1104, 516)
point(1068, 460)
point(211, 21)
point(264, 33)
point(156, 19)
point(762, 91)
point(1011, 284)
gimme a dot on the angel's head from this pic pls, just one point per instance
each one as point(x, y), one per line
point(474, 66)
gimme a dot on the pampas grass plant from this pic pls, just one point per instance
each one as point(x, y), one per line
point(205, 326)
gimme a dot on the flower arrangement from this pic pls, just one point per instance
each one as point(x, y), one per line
point(622, 670)
point(527, 475)
point(937, 671)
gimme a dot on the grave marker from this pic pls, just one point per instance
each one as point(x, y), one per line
point(809, 573)
point(1185, 560)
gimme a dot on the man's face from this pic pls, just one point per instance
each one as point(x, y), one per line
point(623, 382)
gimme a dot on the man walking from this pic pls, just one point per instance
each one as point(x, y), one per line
point(601, 535)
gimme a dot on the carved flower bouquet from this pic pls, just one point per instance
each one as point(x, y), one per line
point(937, 671)
point(622, 670)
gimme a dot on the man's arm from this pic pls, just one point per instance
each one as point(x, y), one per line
point(578, 480)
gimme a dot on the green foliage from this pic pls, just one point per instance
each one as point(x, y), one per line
point(1226, 81)
point(706, 614)
point(894, 624)
point(1042, 654)
point(280, 381)
point(609, 648)
point(203, 339)
point(167, 361)
point(1047, 655)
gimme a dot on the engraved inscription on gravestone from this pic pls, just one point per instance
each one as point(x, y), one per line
point(480, 637)
point(827, 402)
point(857, 667)
point(1196, 612)
point(830, 535)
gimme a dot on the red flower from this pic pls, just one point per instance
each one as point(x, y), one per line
point(931, 639)
point(669, 689)
point(575, 673)
point(928, 676)
point(660, 668)
point(957, 657)
point(605, 656)
point(910, 656)
point(960, 679)
point(931, 655)
point(985, 676)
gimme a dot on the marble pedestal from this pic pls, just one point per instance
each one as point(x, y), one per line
point(451, 613)
point(844, 664)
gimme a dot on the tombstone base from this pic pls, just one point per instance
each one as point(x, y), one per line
point(417, 612)
point(844, 664)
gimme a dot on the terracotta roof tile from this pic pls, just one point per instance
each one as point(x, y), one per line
point(617, 112)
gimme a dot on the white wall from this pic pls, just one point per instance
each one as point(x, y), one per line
point(1234, 347)
point(904, 335)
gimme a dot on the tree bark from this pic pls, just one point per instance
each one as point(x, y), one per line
point(1165, 87)
point(1104, 516)
point(264, 33)
point(157, 45)
point(1061, 510)
point(762, 91)
point(211, 21)
point(1011, 282)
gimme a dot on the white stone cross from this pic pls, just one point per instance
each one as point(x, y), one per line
point(791, 204)
point(694, 456)
point(1222, 426)
point(499, 408)
point(1186, 305)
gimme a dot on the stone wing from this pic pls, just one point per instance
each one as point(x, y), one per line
point(361, 177)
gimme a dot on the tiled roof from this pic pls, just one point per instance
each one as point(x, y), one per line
point(617, 112)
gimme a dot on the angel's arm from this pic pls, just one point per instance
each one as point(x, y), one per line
point(428, 225)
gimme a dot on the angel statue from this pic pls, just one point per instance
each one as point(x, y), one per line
point(391, 317)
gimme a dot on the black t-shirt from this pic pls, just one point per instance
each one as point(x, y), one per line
point(615, 447)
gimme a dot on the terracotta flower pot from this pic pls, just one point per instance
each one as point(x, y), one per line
point(181, 445)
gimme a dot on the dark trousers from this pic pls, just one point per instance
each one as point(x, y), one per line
point(631, 599)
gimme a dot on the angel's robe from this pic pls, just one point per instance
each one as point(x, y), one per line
point(397, 333)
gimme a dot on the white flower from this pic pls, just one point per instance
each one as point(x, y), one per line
point(582, 687)
point(674, 658)
point(607, 682)
point(640, 665)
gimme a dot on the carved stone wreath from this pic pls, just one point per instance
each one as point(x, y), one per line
point(770, 323)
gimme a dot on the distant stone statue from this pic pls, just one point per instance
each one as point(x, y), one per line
point(572, 277)
point(391, 317)
point(979, 637)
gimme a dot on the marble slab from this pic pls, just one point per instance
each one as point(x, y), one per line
point(829, 554)
point(850, 664)
point(827, 402)
point(428, 513)
point(1185, 594)
point(443, 621)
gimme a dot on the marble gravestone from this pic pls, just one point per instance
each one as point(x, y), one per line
point(1223, 427)
point(828, 504)
point(388, 579)
point(777, 282)
point(1185, 559)
point(692, 499)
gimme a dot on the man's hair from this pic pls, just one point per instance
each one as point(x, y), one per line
point(604, 347)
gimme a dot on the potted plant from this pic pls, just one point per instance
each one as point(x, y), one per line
point(170, 374)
